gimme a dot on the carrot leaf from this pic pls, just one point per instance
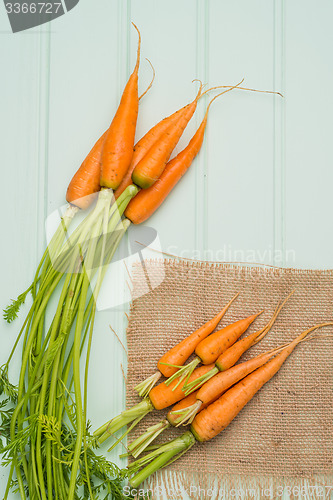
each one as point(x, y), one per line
point(10, 313)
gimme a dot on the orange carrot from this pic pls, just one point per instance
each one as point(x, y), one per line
point(179, 354)
point(210, 349)
point(230, 356)
point(144, 204)
point(150, 168)
point(219, 414)
point(213, 389)
point(85, 183)
point(164, 395)
point(170, 363)
point(118, 147)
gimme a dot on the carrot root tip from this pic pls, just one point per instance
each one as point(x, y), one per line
point(144, 388)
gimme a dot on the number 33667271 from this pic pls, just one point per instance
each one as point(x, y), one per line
point(33, 8)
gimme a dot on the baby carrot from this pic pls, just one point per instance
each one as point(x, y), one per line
point(171, 362)
point(175, 169)
point(230, 356)
point(150, 167)
point(218, 383)
point(119, 141)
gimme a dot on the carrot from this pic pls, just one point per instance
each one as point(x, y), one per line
point(118, 146)
point(148, 200)
point(179, 354)
point(211, 348)
point(218, 415)
point(170, 362)
point(151, 166)
point(85, 182)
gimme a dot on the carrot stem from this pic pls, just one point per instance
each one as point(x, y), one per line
point(144, 388)
point(139, 445)
point(183, 373)
point(161, 457)
point(125, 418)
point(187, 415)
point(194, 386)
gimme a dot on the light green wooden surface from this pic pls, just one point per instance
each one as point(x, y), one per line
point(260, 190)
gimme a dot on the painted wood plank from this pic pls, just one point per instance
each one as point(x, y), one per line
point(175, 64)
point(25, 116)
point(238, 182)
point(308, 129)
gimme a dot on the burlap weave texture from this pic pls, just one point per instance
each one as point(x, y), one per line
point(286, 430)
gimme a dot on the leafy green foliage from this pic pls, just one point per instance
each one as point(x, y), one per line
point(18, 447)
point(10, 313)
point(106, 478)
point(6, 412)
point(7, 387)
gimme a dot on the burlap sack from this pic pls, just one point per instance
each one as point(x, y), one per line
point(283, 437)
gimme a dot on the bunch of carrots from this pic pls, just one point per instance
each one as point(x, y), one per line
point(208, 397)
point(49, 447)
